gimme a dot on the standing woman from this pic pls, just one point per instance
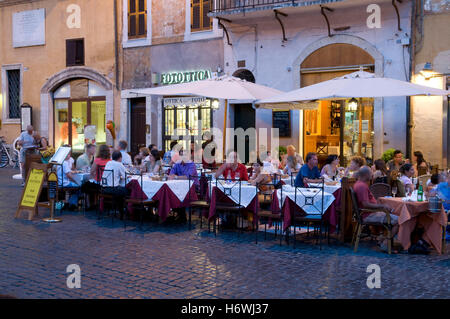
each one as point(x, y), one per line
point(419, 163)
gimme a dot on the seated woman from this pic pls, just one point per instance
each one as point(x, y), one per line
point(44, 148)
point(380, 174)
point(330, 169)
point(258, 177)
point(232, 168)
point(103, 157)
point(292, 166)
point(356, 163)
point(407, 172)
point(153, 165)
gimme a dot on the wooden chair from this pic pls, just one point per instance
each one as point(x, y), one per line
point(357, 215)
point(380, 190)
point(423, 179)
point(422, 171)
point(345, 211)
point(266, 214)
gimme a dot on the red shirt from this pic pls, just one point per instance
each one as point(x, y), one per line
point(363, 194)
point(101, 162)
point(243, 176)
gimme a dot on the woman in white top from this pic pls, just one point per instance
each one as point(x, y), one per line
point(330, 169)
point(407, 171)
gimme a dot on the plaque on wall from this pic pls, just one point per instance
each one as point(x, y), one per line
point(282, 121)
point(28, 28)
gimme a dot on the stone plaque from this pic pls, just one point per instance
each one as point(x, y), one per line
point(28, 28)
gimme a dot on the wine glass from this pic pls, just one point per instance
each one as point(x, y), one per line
point(394, 190)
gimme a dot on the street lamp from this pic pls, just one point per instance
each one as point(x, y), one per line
point(428, 72)
point(215, 104)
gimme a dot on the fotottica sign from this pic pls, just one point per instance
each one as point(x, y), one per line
point(184, 76)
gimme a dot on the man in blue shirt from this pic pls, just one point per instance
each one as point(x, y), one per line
point(309, 173)
point(443, 190)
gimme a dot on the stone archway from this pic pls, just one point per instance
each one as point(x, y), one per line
point(56, 80)
point(379, 71)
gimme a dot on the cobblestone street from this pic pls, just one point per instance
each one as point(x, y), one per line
point(169, 261)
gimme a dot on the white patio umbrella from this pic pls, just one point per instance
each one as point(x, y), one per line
point(224, 87)
point(359, 84)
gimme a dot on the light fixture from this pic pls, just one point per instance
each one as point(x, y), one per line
point(215, 104)
point(428, 72)
point(353, 104)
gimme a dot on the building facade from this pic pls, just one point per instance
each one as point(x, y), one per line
point(60, 58)
point(173, 42)
point(430, 115)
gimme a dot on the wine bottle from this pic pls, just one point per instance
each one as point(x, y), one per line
point(420, 193)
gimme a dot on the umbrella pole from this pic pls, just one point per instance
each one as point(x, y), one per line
point(360, 127)
point(225, 127)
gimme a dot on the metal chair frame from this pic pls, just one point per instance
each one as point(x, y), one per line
point(280, 210)
point(227, 207)
point(199, 203)
point(142, 203)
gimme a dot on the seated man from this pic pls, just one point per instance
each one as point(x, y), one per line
point(66, 178)
point(367, 200)
point(309, 173)
point(86, 160)
point(443, 191)
point(114, 175)
point(232, 169)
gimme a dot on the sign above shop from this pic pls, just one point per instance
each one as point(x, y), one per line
point(184, 77)
point(185, 101)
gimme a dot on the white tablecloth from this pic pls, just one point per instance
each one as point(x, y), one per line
point(314, 204)
point(179, 187)
point(231, 190)
point(81, 177)
point(328, 188)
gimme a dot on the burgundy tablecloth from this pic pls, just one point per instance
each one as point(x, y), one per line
point(219, 196)
point(289, 207)
point(166, 199)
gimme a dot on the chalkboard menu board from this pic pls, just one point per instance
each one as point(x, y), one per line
point(282, 121)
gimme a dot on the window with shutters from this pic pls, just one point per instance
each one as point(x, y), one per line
point(137, 19)
point(74, 52)
point(13, 93)
point(199, 15)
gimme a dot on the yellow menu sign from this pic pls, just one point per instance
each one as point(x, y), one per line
point(32, 189)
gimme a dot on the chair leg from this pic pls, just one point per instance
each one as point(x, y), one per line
point(389, 242)
point(190, 213)
point(359, 228)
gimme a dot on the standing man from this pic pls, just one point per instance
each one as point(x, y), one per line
point(309, 173)
point(29, 146)
point(126, 158)
point(397, 162)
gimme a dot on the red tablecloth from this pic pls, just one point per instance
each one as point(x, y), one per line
point(411, 214)
point(290, 207)
point(166, 199)
point(219, 196)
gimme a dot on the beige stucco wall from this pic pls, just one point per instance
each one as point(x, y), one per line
point(429, 129)
point(168, 21)
point(41, 62)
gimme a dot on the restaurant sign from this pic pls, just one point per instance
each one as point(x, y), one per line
point(184, 77)
point(185, 101)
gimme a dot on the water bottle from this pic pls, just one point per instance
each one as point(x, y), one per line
point(420, 193)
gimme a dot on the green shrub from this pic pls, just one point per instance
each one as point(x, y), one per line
point(388, 155)
point(282, 150)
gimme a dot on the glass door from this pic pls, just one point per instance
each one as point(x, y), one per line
point(78, 121)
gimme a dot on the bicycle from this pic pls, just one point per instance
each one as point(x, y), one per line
point(9, 155)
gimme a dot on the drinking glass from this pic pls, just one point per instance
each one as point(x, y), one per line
point(237, 176)
point(394, 190)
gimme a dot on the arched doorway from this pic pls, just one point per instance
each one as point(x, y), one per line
point(78, 98)
point(244, 114)
point(341, 127)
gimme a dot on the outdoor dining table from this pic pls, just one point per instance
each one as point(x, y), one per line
point(169, 194)
point(290, 203)
point(229, 193)
point(410, 213)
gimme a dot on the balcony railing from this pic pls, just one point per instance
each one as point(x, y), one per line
point(225, 5)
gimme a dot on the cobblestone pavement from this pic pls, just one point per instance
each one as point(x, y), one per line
point(170, 261)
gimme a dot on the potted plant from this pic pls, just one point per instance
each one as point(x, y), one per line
point(388, 155)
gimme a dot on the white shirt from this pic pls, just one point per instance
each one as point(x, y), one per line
point(27, 139)
point(70, 161)
point(66, 168)
point(405, 180)
point(126, 158)
point(118, 174)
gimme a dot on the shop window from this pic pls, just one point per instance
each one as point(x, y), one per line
point(137, 19)
point(13, 77)
point(199, 15)
point(74, 52)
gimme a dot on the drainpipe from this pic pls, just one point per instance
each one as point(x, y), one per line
point(409, 119)
point(116, 45)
